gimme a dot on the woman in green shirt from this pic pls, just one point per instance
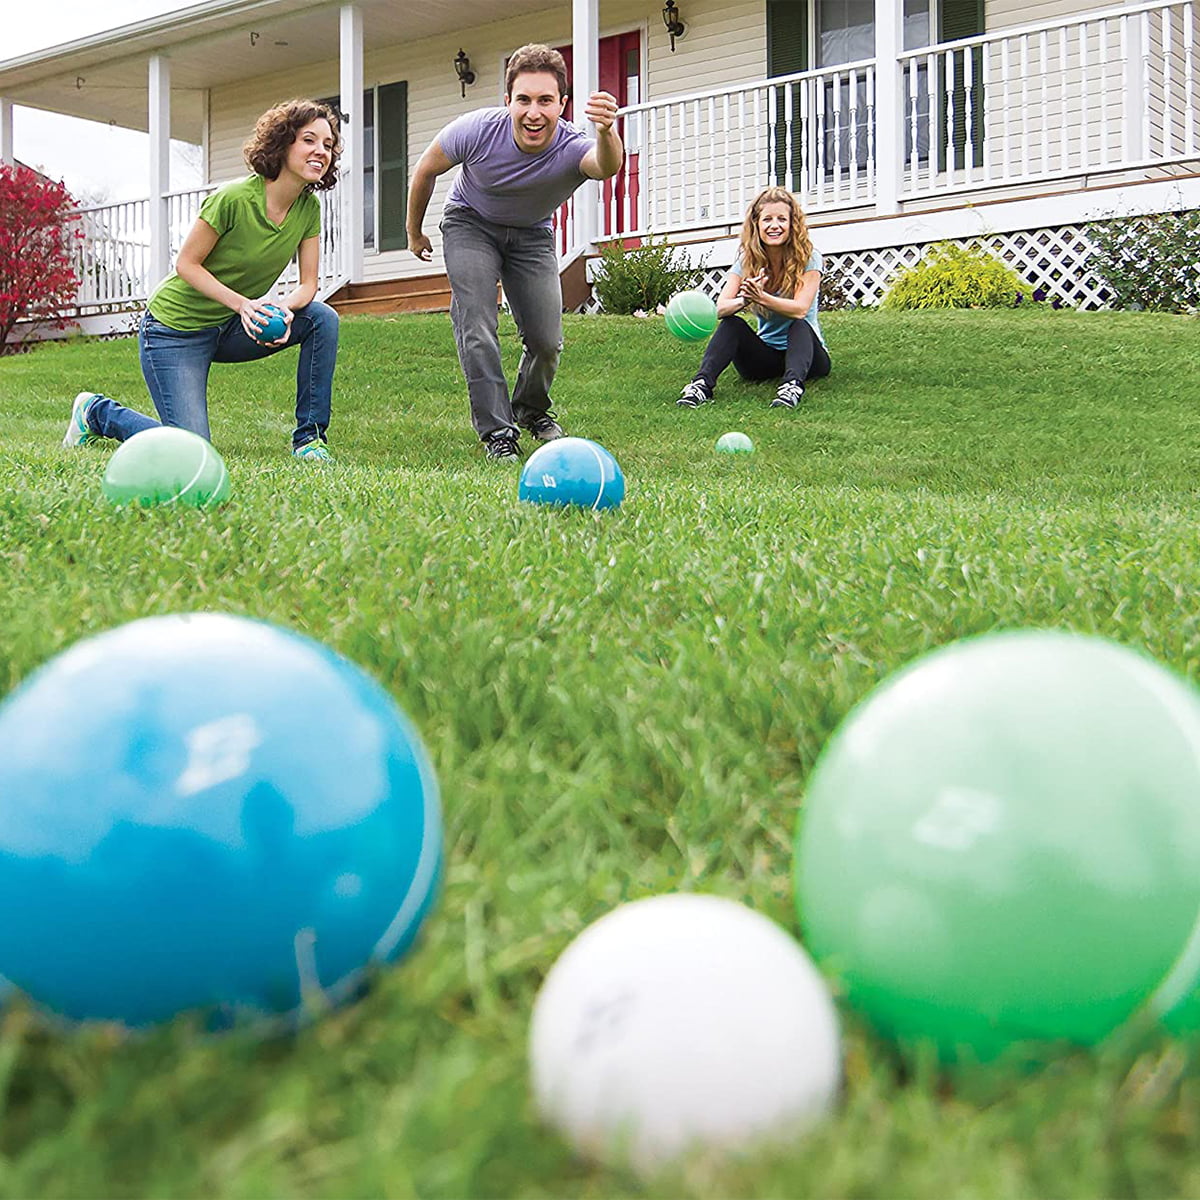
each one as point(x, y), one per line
point(245, 236)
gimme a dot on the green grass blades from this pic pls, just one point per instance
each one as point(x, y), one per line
point(617, 705)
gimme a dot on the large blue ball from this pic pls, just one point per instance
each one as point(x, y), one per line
point(572, 470)
point(208, 812)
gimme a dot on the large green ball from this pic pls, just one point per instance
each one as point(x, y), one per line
point(166, 466)
point(691, 316)
point(1001, 844)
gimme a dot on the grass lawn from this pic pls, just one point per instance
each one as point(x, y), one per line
point(616, 706)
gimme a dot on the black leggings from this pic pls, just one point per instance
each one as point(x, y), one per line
point(735, 342)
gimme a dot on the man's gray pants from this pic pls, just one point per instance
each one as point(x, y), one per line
point(478, 256)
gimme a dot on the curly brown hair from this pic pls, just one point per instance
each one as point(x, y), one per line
point(266, 148)
point(536, 58)
point(796, 252)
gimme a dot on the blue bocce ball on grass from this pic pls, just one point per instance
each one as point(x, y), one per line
point(209, 813)
point(572, 471)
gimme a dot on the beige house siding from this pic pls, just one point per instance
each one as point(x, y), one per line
point(724, 44)
point(1007, 14)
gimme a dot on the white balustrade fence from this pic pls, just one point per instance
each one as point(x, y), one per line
point(1074, 97)
point(698, 160)
point(113, 259)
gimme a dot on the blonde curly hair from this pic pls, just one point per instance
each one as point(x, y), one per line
point(796, 251)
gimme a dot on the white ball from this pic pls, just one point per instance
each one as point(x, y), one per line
point(678, 1023)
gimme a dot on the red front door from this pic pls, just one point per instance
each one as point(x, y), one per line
point(620, 71)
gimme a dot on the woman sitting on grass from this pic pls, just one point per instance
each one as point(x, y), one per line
point(777, 275)
point(245, 236)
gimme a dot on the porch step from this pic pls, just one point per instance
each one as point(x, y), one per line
point(426, 293)
point(431, 293)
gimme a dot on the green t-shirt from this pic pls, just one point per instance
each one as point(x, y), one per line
point(250, 255)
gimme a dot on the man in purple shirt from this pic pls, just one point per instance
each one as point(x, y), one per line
point(519, 163)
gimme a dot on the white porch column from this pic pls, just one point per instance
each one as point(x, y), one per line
point(1135, 112)
point(7, 153)
point(585, 72)
point(351, 185)
point(889, 105)
point(160, 166)
point(205, 137)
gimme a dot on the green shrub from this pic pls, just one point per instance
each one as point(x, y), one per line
point(953, 276)
point(643, 277)
point(1149, 262)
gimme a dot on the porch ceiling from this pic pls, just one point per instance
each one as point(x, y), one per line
point(103, 78)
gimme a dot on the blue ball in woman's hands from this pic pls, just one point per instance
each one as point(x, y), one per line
point(275, 327)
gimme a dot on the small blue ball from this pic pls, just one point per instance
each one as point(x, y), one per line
point(572, 471)
point(209, 813)
point(275, 328)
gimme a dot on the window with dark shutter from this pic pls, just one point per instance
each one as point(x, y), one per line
point(787, 53)
point(961, 93)
point(787, 36)
point(392, 171)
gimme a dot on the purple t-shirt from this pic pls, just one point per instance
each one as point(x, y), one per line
point(501, 182)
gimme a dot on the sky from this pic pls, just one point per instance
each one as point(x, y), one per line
point(97, 162)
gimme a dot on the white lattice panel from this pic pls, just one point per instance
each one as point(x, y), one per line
point(1054, 262)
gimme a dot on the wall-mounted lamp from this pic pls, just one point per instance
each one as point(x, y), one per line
point(462, 68)
point(675, 26)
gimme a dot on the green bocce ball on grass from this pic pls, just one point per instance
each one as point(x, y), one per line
point(734, 443)
point(1001, 845)
point(691, 316)
point(166, 467)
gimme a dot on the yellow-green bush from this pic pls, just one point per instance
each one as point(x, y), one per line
point(953, 276)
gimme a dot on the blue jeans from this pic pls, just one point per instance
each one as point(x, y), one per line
point(479, 255)
point(175, 364)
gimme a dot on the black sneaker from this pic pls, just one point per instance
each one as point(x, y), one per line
point(501, 446)
point(790, 393)
point(696, 393)
point(545, 428)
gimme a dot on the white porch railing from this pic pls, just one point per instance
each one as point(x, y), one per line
point(1102, 92)
point(699, 159)
point(113, 259)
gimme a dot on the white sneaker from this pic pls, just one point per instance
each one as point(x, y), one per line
point(694, 394)
point(790, 393)
point(79, 433)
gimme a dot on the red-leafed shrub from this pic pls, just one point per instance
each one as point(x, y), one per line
point(37, 250)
